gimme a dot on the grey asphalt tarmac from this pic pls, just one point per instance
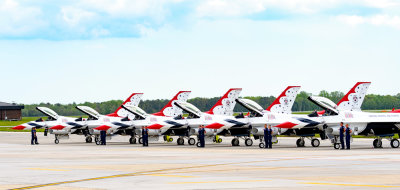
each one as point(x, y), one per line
point(73, 164)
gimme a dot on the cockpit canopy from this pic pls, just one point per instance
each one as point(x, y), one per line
point(138, 112)
point(49, 112)
point(89, 111)
point(325, 103)
point(252, 106)
point(190, 108)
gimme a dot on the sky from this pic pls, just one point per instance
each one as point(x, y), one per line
point(98, 50)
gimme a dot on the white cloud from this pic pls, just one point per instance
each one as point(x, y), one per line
point(16, 19)
point(74, 16)
point(377, 20)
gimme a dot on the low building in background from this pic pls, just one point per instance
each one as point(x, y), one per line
point(10, 111)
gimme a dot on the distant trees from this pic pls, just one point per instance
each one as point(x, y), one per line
point(371, 102)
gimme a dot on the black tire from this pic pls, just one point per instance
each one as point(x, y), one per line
point(377, 143)
point(235, 142)
point(248, 142)
point(192, 141)
point(89, 139)
point(336, 145)
point(300, 143)
point(394, 143)
point(261, 145)
point(198, 144)
point(56, 141)
point(140, 140)
point(180, 141)
point(132, 140)
point(315, 143)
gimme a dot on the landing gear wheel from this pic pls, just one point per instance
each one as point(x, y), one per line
point(132, 140)
point(56, 141)
point(140, 140)
point(315, 143)
point(248, 142)
point(394, 143)
point(198, 144)
point(235, 142)
point(300, 143)
point(336, 145)
point(191, 141)
point(377, 143)
point(88, 139)
point(261, 145)
point(180, 141)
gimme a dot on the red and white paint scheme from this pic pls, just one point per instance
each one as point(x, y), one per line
point(354, 98)
point(380, 125)
point(284, 102)
point(138, 118)
point(60, 126)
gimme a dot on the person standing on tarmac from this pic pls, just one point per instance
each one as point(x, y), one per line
point(268, 136)
point(341, 135)
point(201, 136)
point(103, 137)
point(145, 136)
point(34, 136)
point(348, 135)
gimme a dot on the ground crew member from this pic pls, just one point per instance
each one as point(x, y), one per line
point(341, 134)
point(145, 136)
point(201, 136)
point(34, 136)
point(348, 132)
point(103, 137)
point(268, 136)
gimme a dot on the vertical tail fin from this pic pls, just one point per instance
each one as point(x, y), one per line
point(226, 103)
point(133, 100)
point(284, 102)
point(354, 98)
point(171, 109)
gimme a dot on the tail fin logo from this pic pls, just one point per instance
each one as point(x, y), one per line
point(284, 102)
point(355, 97)
point(132, 100)
point(226, 103)
point(171, 109)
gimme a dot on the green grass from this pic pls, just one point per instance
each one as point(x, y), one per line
point(15, 123)
point(8, 129)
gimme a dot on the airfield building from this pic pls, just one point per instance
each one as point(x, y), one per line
point(10, 111)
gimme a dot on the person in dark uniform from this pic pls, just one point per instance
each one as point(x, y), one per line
point(341, 134)
point(201, 136)
point(348, 135)
point(103, 135)
point(34, 136)
point(145, 136)
point(268, 136)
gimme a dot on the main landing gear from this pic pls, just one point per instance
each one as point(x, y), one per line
point(377, 143)
point(88, 139)
point(314, 142)
point(132, 140)
point(247, 141)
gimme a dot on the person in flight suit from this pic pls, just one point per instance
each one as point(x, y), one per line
point(341, 134)
point(348, 135)
point(103, 135)
point(145, 136)
point(268, 136)
point(34, 136)
point(201, 136)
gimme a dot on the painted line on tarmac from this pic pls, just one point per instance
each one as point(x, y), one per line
point(346, 184)
point(170, 175)
point(235, 181)
point(47, 169)
point(128, 175)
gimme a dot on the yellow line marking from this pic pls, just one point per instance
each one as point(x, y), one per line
point(47, 169)
point(165, 175)
point(235, 181)
point(343, 184)
point(130, 174)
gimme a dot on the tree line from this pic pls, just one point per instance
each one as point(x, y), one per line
point(371, 102)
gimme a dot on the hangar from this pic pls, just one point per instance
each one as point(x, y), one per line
point(10, 111)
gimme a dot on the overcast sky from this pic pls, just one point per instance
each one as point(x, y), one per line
point(98, 50)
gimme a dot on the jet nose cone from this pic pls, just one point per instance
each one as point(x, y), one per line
point(214, 126)
point(102, 128)
point(19, 127)
point(57, 127)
